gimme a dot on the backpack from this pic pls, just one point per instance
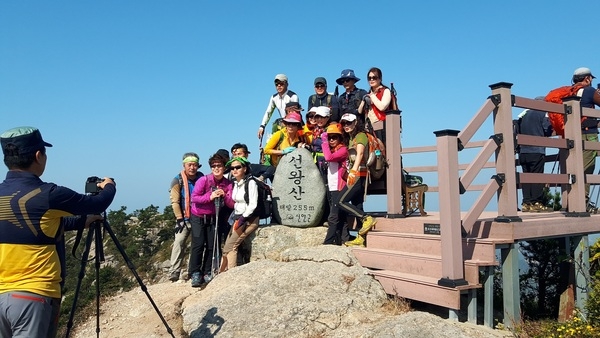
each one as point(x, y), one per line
point(556, 96)
point(376, 161)
point(265, 159)
point(411, 180)
point(265, 198)
point(313, 100)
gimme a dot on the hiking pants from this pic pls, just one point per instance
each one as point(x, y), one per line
point(178, 250)
point(25, 314)
point(337, 231)
point(203, 239)
point(353, 197)
point(532, 163)
point(589, 160)
point(233, 242)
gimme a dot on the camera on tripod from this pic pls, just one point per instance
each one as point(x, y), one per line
point(91, 184)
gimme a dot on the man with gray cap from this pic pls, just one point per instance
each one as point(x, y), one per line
point(590, 97)
point(33, 217)
point(277, 100)
point(323, 98)
point(350, 100)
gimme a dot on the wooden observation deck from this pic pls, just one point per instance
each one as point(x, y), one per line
point(437, 257)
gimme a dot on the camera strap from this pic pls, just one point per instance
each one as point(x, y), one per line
point(76, 243)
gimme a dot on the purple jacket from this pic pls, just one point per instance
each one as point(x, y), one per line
point(201, 203)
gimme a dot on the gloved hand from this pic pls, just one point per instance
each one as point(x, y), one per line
point(239, 223)
point(324, 137)
point(352, 177)
point(288, 150)
point(367, 99)
point(180, 225)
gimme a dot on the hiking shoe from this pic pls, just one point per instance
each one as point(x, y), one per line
point(196, 280)
point(207, 279)
point(539, 207)
point(358, 241)
point(591, 208)
point(526, 207)
point(174, 277)
point(367, 223)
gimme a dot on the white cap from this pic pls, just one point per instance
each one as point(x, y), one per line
point(348, 117)
point(581, 71)
point(281, 77)
point(313, 109)
point(323, 111)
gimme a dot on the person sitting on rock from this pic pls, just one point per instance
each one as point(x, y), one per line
point(244, 222)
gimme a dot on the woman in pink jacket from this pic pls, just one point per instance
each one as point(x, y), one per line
point(210, 192)
point(336, 154)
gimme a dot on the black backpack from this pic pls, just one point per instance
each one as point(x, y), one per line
point(265, 198)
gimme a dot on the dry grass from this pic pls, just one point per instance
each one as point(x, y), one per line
point(396, 305)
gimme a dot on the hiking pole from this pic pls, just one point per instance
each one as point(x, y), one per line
point(215, 264)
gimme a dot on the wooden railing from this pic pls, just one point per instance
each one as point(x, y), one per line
point(504, 182)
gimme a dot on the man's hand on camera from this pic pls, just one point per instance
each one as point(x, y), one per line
point(105, 181)
point(91, 219)
point(180, 225)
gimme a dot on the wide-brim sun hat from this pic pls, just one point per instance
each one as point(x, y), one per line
point(347, 74)
point(293, 117)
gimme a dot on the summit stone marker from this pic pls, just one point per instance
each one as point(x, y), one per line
point(298, 190)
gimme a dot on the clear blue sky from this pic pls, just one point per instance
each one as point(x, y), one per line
point(124, 88)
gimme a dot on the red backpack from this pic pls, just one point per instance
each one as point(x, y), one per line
point(556, 96)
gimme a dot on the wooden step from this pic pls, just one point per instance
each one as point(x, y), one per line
point(473, 249)
point(415, 264)
point(423, 289)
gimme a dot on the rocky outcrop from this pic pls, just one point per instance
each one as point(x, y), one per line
point(311, 290)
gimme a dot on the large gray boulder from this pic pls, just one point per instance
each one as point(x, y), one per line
point(310, 292)
point(269, 241)
point(298, 190)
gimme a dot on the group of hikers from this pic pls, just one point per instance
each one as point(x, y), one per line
point(540, 123)
point(220, 206)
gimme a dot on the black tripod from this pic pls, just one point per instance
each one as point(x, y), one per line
point(95, 234)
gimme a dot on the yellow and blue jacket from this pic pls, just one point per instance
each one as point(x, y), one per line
point(33, 217)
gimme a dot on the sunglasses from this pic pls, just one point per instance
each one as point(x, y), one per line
point(320, 86)
point(279, 84)
point(373, 78)
point(291, 124)
point(310, 116)
point(236, 167)
point(346, 123)
point(333, 137)
point(216, 166)
point(346, 80)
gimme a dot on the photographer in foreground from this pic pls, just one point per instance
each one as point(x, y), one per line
point(33, 217)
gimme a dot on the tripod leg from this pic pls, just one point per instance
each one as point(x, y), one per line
point(99, 256)
point(84, 260)
point(131, 267)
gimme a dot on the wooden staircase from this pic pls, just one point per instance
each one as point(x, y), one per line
point(408, 262)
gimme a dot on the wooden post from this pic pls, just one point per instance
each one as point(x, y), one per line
point(505, 155)
point(393, 150)
point(449, 196)
point(510, 285)
point(576, 190)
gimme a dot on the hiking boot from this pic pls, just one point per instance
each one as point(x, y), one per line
point(526, 207)
point(358, 241)
point(367, 223)
point(207, 279)
point(539, 207)
point(196, 280)
point(174, 277)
